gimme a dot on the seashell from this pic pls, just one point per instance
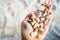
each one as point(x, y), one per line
point(36, 25)
point(33, 19)
point(41, 25)
point(44, 14)
point(32, 23)
point(38, 14)
point(29, 20)
point(42, 19)
point(34, 34)
point(37, 19)
point(42, 8)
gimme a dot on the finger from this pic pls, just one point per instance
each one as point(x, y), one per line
point(27, 26)
point(25, 34)
point(30, 15)
point(26, 30)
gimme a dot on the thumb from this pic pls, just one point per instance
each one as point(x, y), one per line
point(27, 26)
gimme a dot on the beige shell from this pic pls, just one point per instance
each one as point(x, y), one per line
point(36, 25)
point(42, 19)
point(37, 19)
point(34, 34)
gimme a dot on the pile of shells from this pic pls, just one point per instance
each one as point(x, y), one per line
point(41, 20)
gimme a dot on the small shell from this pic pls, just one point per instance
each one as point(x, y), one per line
point(42, 19)
point(42, 8)
point(37, 19)
point(32, 23)
point(41, 25)
point(29, 20)
point(34, 34)
point(36, 25)
point(34, 20)
point(44, 14)
point(39, 14)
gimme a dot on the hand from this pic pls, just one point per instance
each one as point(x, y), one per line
point(27, 29)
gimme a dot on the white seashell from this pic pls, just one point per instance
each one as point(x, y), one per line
point(42, 19)
point(36, 25)
point(38, 14)
point(37, 19)
point(41, 8)
point(30, 20)
point(44, 14)
point(34, 34)
point(32, 23)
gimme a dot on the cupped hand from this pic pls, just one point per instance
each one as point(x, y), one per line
point(27, 29)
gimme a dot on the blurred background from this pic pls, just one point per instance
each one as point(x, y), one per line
point(11, 12)
point(54, 30)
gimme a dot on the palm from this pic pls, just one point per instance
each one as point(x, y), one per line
point(28, 26)
point(27, 29)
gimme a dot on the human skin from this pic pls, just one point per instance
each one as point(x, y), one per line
point(27, 29)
